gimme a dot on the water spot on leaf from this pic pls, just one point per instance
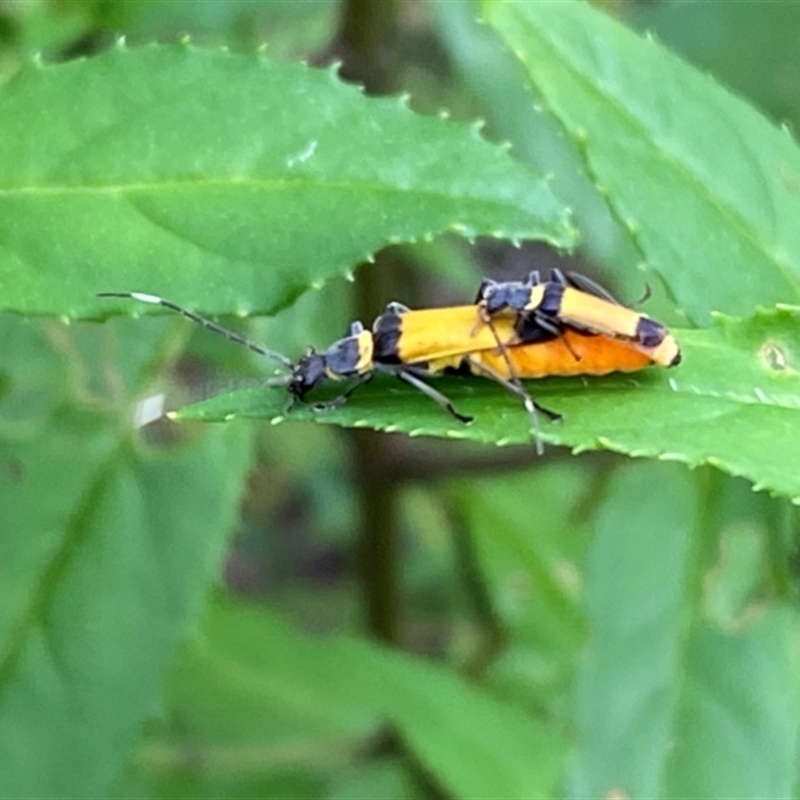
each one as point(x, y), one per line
point(303, 155)
point(774, 357)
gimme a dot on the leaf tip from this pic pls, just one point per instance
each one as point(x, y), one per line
point(35, 60)
point(635, 453)
point(633, 226)
point(334, 70)
point(571, 233)
point(477, 127)
point(463, 230)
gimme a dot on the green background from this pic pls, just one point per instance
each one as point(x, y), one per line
point(377, 601)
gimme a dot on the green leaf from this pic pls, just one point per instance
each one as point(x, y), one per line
point(627, 687)
point(668, 704)
point(733, 403)
point(382, 780)
point(532, 574)
point(498, 80)
point(757, 72)
point(706, 186)
point(474, 745)
point(228, 182)
point(113, 545)
point(736, 729)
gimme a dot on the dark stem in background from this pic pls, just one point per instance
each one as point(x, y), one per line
point(368, 36)
point(469, 568)
point(367, 41)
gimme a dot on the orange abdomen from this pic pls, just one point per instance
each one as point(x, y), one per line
point(570, 354)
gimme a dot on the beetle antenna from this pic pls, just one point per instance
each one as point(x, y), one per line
point(206, 323)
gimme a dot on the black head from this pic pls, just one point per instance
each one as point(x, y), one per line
point(496, 296)
point(306, 374)
point(514, 295)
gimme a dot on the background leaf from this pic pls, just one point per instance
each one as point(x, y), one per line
point(526, 602)
point(533, 576)
point(307, 689)
point(665, 697)
point(683, 27)
point(706, 186)
point(229, 183)
point(503, 94)
point(110, 565)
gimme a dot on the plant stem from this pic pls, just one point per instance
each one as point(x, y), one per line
point(366, 43)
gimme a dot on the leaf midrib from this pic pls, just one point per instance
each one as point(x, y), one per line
point(312, 183)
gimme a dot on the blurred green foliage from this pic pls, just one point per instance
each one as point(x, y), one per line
point(246, 610)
